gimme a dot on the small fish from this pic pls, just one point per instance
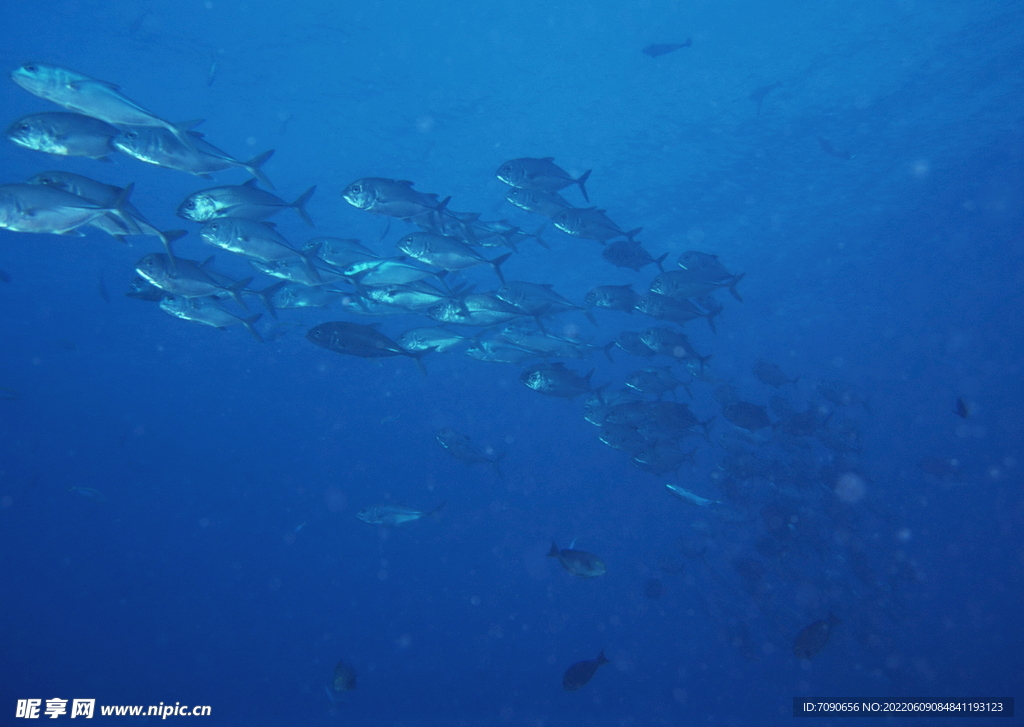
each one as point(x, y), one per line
point(9, 394)
point(344, 678)
point(813, 638)
point(88, 493)
point(577, 675)
point(659, 49)
point(758, 94)
point(769, 373)
point(459, 446)
point(687, 496)
point(961, 409)
point(578, 562)
point(394, 515)
point(828, 148)
point(5, 277)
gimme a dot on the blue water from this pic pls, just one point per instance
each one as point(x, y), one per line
point(226, 566)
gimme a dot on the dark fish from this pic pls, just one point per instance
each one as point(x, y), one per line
point(758, 94)
point(5, 277)
point(632, 343)
point(355, 339)
point(101, 288)
point(459, 446)
point(813, 638)
point(9, 394)
point(654, 589)
point(630, 254)
point(826, 146)
point(961, 409)
point(344, 678)
point(659, 49)
point(578, 562)
point(943, 467)
point(769, 373)
point(746, 415)
point(577, 675)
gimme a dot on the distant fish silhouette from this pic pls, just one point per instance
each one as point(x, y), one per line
point(826, 146)
point(659, 49)
point(5, 277)
point(758, 94)
point(961, 409)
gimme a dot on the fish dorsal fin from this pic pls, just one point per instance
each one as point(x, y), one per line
point(207, 261)
point(252, 183)
point(547, 159)
point(572, 545)
point(406, 183)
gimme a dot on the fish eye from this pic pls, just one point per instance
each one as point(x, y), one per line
point(357, 188)
point(30, 68)
point(23, 127)
point(131, 134)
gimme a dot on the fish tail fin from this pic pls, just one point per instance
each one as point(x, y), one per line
point(168, 238)
point(711, 321)
point(607, 348)
point(417, 356)
point(497, 467)
point(540, 240)
point(583, 180)
point(299, 206)
point(706, 426)
point(266, 296)
point(553, 553)
point(253, 166)
point(236, 292)
point(732, 287)
point(659, 262)
point(248, 323)
point(688, 43)
point(601, 658)
point(633, 233)
point(496, 264)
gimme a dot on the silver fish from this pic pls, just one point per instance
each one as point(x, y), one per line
point(43, 209)
point(194, 155)
point(578, 562)
point(391, 197)
point(393, 515)
point(208, 312)
point(542, 175)
point(246, 200)
point(64, 134)
point(92, 97)
point(591, 224)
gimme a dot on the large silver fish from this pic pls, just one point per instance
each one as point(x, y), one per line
point(188, 279)
point(391, 197)
point(194, 155)
point(244, 200)
point(556, 380)
point(208, 312)
point(43, 209)
point(578, 562)
point(90, 96)
point(64, 134)
point(541, 175)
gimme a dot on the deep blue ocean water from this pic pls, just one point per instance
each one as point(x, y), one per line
point(226, 565)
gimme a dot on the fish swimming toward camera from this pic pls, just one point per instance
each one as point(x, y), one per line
point(577, 675)
point(578, 562)
point(961, 409)
point(394, 515)
point(813, 638)
point(769, 373)
point(556, 380)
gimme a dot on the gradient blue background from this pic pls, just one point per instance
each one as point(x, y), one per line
point(898, 271)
